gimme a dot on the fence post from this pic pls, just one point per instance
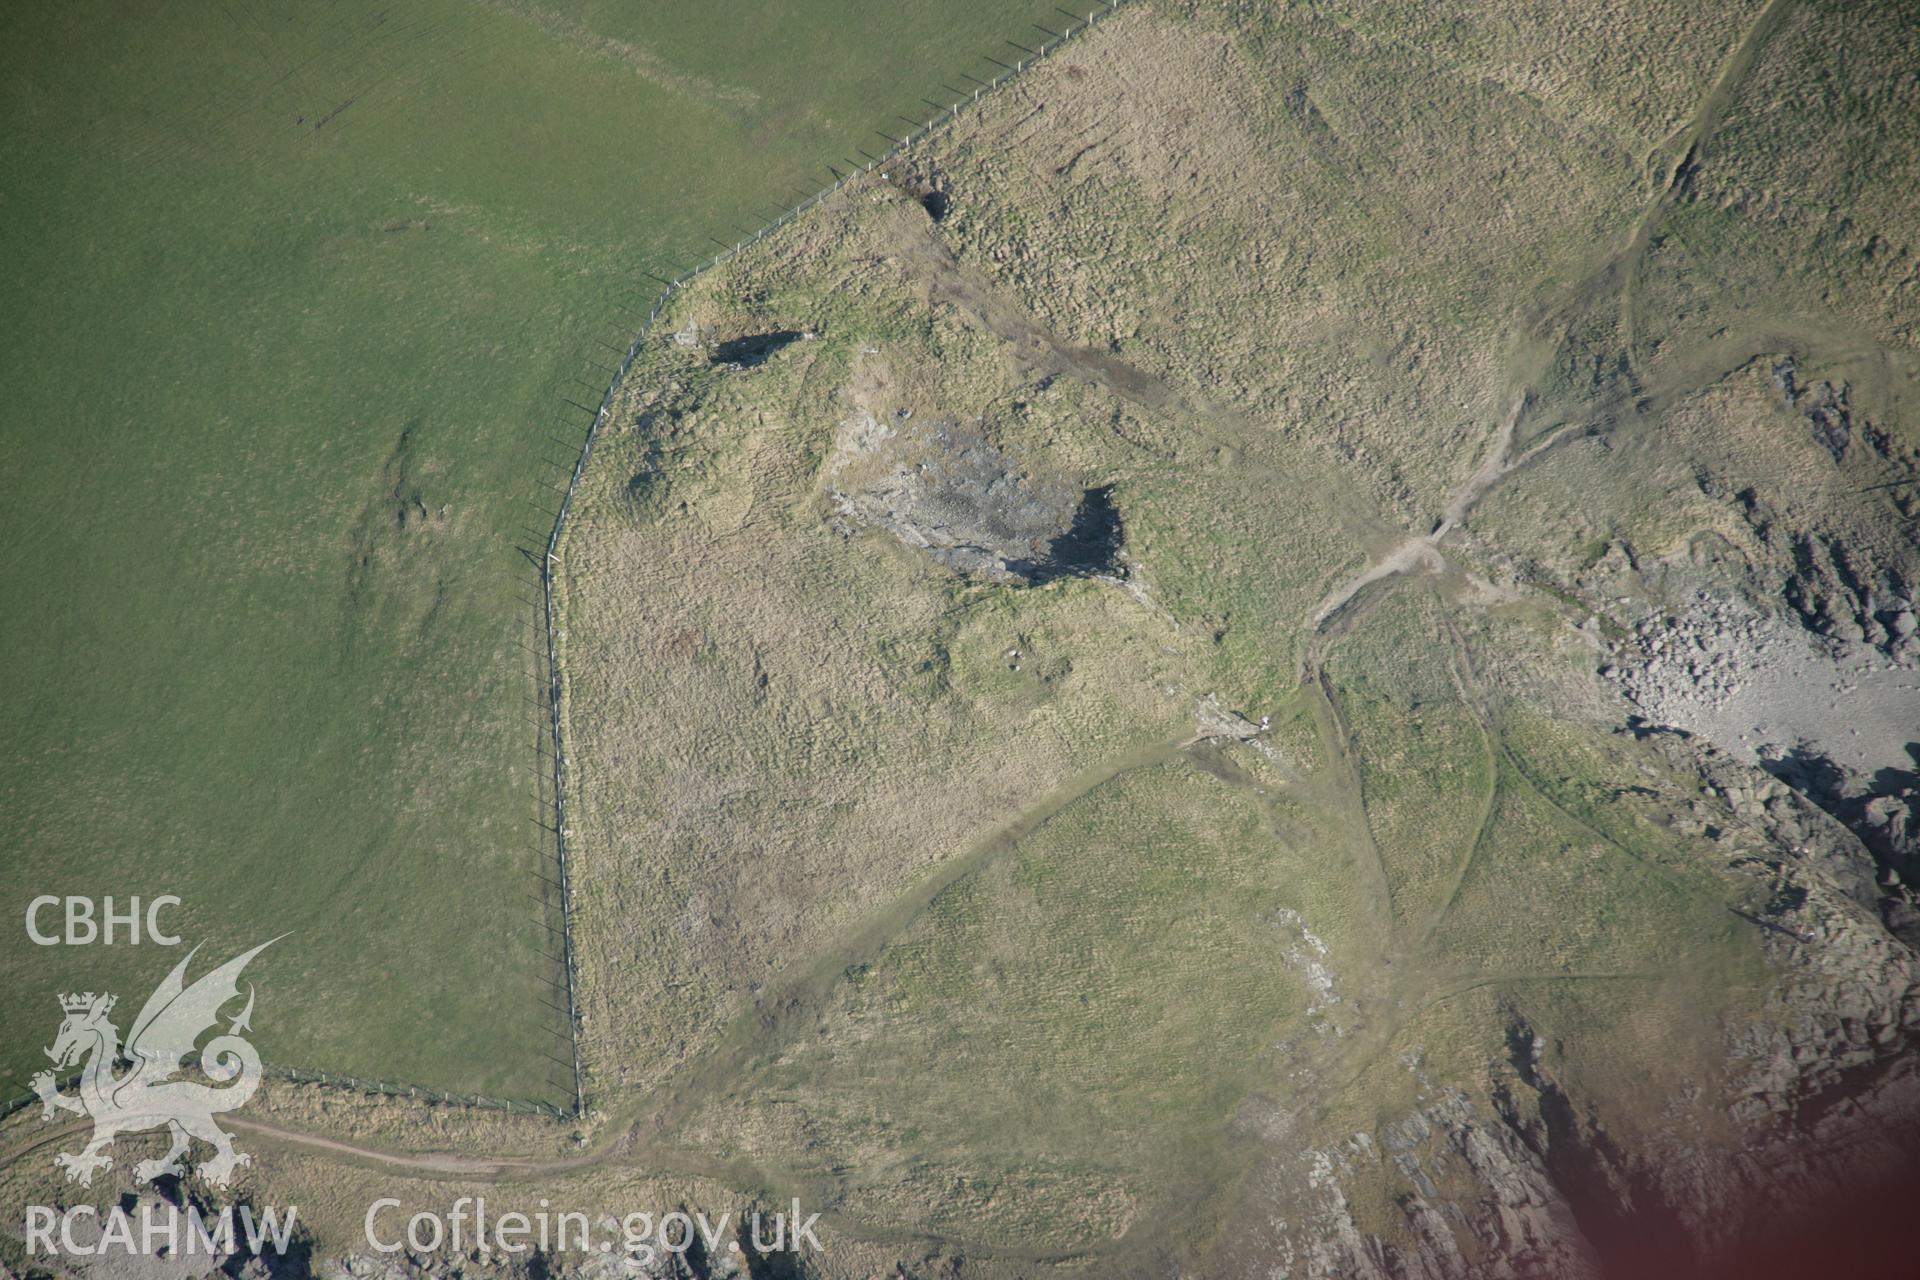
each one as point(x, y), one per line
point(600, 417)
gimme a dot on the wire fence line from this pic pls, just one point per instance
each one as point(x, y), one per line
point(944, 119)
point(357, 1084)
point(393, 1089)
point(21, 1101)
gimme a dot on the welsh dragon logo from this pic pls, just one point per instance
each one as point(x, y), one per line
point(135, 1086)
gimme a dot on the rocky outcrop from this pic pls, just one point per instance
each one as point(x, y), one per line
point(1833, 719)
point(1473, 1200)
point(1519, 1175)
point(944, 489)
point(1824, 405)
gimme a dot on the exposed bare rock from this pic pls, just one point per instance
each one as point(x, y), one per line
point(945, 489)
point(1823, 1094)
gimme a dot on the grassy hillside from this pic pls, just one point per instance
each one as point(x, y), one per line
point(976, 916)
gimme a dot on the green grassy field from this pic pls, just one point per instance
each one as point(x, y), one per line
point(297, 299)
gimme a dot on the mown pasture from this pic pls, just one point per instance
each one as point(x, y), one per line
point(301, 303)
